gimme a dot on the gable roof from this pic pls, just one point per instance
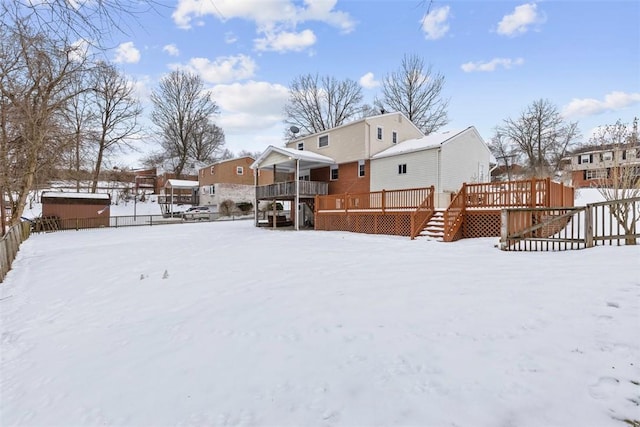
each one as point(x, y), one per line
point(284, 158)
point(227, 160)
point(355, 122)
point(429, 142)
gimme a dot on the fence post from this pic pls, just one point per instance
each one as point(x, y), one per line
point(504, 229)
point(346, 203)
point(588, 227)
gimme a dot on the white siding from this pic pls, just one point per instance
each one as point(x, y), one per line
point(465, 158)
point(421, 171)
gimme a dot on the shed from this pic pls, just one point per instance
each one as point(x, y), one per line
point(76, 210)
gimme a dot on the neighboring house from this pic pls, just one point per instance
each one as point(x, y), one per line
point(351, 147)
point(443, 160)
point(231, 179)
point(594, 166)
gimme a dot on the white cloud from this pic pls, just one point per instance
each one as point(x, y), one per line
point(589, 106)
point(492, 65)
point(434, 24)
point(285, 41)
point(267, 14)
point(224, 69)
point(368, 81)
point(520, 20)
point(127, 53)
point(230, 37)
point(80, 50)
point(171, 49)
point(250, 106)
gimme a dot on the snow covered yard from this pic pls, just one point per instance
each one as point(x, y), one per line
point(226, 324)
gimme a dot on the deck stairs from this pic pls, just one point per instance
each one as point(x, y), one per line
point(434, 230)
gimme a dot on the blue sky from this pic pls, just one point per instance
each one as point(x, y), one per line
point(497, 57)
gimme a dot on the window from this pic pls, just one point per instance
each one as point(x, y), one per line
point(394, 137)
point(212, 172)
point(608, 155)
point(212, 190)
point(596, 174)
point(323, 141)
point(379, 133)
point(624, 154)
point(402, 169)
point(239, 170)
point(585, 158)
point(361, 170)
point(334, 172)
point(301, 145)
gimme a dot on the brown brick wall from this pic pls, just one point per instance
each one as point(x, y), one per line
point(348, 180)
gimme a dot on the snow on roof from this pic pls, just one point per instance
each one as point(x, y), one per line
point(181, 183)
point(428, 142)
point(63, 195)
point(293, 154)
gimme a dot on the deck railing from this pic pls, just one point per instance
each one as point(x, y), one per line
point(385, 200)
point(422, 214)
point(178, 199)
point(529, 193)
point(288, 189)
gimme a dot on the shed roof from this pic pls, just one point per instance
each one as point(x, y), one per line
point(63, 195)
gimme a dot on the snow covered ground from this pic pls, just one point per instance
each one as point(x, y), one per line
point(226, 324)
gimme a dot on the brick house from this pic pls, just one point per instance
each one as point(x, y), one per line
point(595, 166)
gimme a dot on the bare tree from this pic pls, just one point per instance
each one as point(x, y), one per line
point(320, 103)
point(92, 21)
point(117, 111)
point(246, 153)
point(540, 136)
point(182, 112)
point(504, 152)
point(36, 75)
point(416, 91)
point(623, 177)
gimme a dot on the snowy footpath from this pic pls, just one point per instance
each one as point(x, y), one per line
point(226, 324)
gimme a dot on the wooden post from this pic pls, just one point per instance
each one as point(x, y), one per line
point(548, 192)
point(346, 203)
point(384, 200)
point(532, 200)
point(3, 224)
point(588, 227)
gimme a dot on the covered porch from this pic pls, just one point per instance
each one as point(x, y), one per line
point(177, 192)
point(299, 193)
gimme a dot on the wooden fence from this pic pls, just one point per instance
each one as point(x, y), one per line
point(554, 229)
point(495, 196)
point(10, 244)
point(396, 212)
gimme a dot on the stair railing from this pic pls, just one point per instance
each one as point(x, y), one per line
point(422, 214)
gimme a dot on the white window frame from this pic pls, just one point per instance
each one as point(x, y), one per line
point(239, 170)
point(394, 137)
point(607, 156)
point(300, 146)
point(597, 174)
point(585, 158)
point(320, 139)
point(402, 169)
point(380, 133)
point(334, 168)
point(361, 169)
point(212, 170)
point(212, 190)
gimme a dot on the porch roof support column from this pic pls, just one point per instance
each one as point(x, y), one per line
point(297, 207)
